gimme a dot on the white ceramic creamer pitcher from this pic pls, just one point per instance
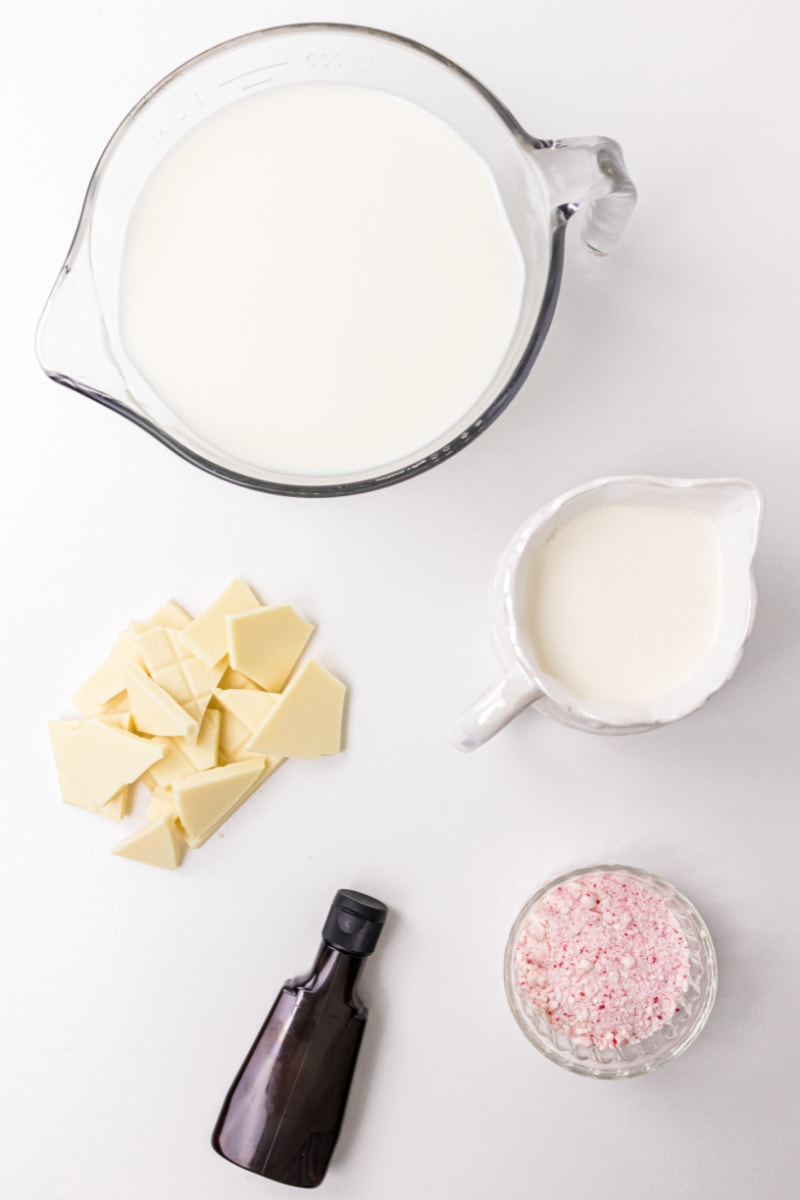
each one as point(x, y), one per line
point(735, 507)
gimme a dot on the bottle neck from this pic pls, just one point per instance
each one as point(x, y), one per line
point(336, 973)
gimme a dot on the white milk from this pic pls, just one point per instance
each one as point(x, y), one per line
point(320, 279)
point(624, 601)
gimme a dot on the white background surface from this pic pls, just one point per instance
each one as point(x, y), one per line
point(130, 995)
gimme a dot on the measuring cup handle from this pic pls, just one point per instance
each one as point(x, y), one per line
point(493, 710)
point(590, 172)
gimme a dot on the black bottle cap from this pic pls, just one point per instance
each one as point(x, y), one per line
point(354, 923)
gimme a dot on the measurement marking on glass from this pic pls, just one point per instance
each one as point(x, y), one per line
point(248, 87)
point(255, 71)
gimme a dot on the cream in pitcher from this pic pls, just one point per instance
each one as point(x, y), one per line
point(623, 602)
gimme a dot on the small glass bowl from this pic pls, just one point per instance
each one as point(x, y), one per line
point(633, 1058)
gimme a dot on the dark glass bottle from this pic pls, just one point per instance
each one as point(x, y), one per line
point(283, 1113)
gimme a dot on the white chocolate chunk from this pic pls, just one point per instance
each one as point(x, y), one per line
point(162, 804)
point(114, 809)
point(95, 760)
point(153, 709)
point(196, 682)
point(233, 738)
point(120, 720)
point(240, 718)
point(265, 644)
point(158, 650)
point(248, 705)
point(171, 616)
point(306, 720)
point(235, 679)
point(206, 637)
point(206, 800)
point(182, 756)
point(203, 751)
point(135, 627)
point(188, 680)
point(71, 794)
point(119, 705)
point(117, 807)
point(174, 765)
point(107, 681)
point(158, 844)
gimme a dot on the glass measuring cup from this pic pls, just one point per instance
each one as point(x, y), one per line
point(542, 184)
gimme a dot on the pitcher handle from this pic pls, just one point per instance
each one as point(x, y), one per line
point(589, 172)
point(495, 708)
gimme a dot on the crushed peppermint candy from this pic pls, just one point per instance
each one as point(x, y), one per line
point(603, 959)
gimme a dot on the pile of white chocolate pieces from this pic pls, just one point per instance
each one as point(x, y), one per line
point(202, 711)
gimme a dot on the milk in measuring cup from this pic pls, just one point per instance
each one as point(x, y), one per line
point(320, 279)
point(624, 601)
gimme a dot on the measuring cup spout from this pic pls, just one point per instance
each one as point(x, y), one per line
point(71, 338)
point(590, 174)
